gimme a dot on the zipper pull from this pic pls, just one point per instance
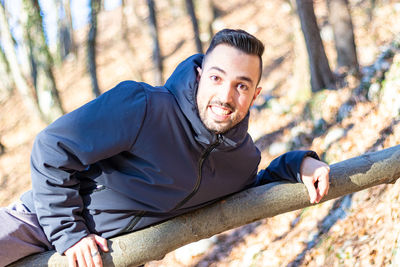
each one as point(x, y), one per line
point(220, 138)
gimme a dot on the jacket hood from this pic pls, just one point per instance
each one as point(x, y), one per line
point(183, 85)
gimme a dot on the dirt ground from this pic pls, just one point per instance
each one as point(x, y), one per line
point(362, 229)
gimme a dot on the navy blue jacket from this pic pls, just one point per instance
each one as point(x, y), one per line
point(138, 155)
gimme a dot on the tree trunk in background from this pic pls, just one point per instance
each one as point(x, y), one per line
point(26, 92)
point(64, 32)
point(6, 82)
point(44, 82)
point(340, 19)
point(124, 21)
point(68, 17)
point(321, 74)
point(193, 18)
point(157, 58)
point(152, 243)
point(128, 9)
point(206, 17)
point(91, 46)
point(300, 89)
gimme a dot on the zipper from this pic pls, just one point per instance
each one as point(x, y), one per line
point(203, 157)
point(133, 222)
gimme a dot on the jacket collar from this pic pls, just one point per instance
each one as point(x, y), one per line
point(183, 85)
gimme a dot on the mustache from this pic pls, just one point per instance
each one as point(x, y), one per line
point(223, 104)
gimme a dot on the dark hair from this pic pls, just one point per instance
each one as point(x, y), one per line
point(239, 39)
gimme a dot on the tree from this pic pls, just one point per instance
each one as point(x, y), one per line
point(152, 243)
point(68, 23)
point(157, 58)
point(23, 88)
point(340, 19)
point(193, 18)
point(65, 41)
point(207, 17)
point(91, 46)
point(128, 8)
point(46, 91)
point(6, 83)
point(321, 74)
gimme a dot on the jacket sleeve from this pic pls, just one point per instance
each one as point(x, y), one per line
point(100, 129)
point(285, 168)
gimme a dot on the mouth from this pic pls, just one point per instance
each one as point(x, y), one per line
point(220, 113)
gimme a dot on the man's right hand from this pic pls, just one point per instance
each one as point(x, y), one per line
point(85, 253)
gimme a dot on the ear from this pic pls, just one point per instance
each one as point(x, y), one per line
point(199, 72)
point(256, 93)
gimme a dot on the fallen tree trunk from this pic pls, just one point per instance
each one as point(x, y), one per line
point(245, 207)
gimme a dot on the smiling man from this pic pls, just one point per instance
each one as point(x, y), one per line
point(138, 155)
point(227, 87)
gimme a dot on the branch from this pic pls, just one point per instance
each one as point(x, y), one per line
point(154, 242)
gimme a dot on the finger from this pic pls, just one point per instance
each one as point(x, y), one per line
point(88, 257)
point(81, 259)
point(94, 253)
point(96, 257)
point(323, 184)
point(71, 260)
point(102, 242)
point(312, 192)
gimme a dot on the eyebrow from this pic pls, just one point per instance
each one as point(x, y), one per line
point(243, 78)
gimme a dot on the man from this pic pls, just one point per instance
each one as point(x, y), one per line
point(138, 155)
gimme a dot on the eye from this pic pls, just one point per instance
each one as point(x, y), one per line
point(242, 87)
point(215, 78)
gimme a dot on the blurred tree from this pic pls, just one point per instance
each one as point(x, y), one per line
point(128, 8)
point(124, 20)
point(300, 89)
point(91, 46)
point(23, 88)
point(44, 82)
point(65, 40)
point(68, 17)
point(193, 18)
point(129, 17)
point(2, 149)
point(340, 19)
point(6, 82)
point(321, 74)
point(206, 17)
point(157, 58)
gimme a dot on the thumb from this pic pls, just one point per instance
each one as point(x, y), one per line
point(312, 192)
point(101, 242)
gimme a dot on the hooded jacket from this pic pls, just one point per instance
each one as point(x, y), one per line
point(138, 155)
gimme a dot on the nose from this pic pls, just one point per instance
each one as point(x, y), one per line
point(225, 93)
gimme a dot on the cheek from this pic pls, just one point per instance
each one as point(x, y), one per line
point(244, 102)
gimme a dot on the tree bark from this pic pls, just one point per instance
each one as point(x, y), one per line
point(127, 8)
point(340, 19)
point(22, 85)
point(207, 17)
point(67, 10)
point(193, 18)
point(321, 74)
point(91, 46)
point(47, 94)
point(6, 82)
point(154, 242)
point(157, 58)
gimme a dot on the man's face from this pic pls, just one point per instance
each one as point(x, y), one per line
point(227, 87)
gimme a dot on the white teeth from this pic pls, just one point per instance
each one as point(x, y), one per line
point(220, 111)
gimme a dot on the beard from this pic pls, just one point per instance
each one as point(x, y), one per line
point(219, 126)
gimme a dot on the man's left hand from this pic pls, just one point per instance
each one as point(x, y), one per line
point(315, 176)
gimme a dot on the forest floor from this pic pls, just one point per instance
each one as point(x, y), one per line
point(362, 229)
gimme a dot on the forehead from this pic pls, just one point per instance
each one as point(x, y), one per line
point(233, 61)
